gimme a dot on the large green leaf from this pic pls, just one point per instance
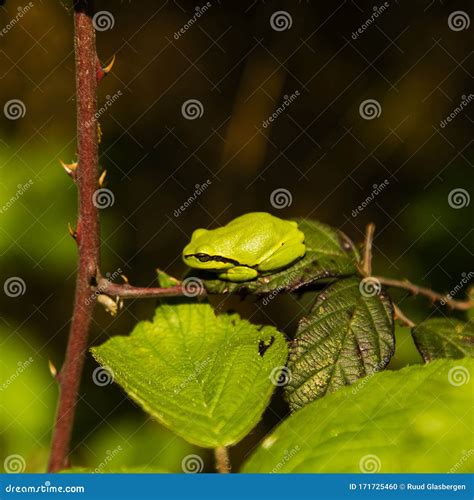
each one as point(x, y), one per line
point(418, 419)
point(444, 338)
point(206, 377)
point(329, 254)
point(347, 335)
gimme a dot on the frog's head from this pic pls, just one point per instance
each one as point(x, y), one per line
point(203, 252)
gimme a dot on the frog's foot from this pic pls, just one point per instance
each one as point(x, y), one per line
point(283, 257)
point(239, 273)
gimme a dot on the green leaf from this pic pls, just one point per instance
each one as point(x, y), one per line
point(205, 377)
point(444, 338)
point(329, 254)
point(115, 470)
point(417, 419)
point(347, 335)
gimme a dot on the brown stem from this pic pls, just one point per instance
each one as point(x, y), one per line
point(462, 305)
point(400, 316)
point(126, 291)
point(367, 258)
point(222, 459)
point(88, 234)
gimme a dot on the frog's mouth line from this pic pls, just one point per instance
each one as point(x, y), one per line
point(203, 257)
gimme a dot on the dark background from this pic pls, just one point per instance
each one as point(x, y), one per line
point(320, 149)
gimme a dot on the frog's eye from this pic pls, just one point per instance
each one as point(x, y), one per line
point(202, 257)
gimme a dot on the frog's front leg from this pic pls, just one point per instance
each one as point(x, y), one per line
point(239, 273)
point(287, 254)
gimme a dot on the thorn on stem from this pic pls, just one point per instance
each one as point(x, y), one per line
point(125, 279)
point(103, 71)
point(69, 168)
point(102, 178)
point(72, 231)
point(52, 369)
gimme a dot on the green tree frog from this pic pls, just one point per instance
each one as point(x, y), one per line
point(249, 245)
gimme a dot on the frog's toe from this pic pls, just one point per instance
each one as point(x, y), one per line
point(239, 273)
